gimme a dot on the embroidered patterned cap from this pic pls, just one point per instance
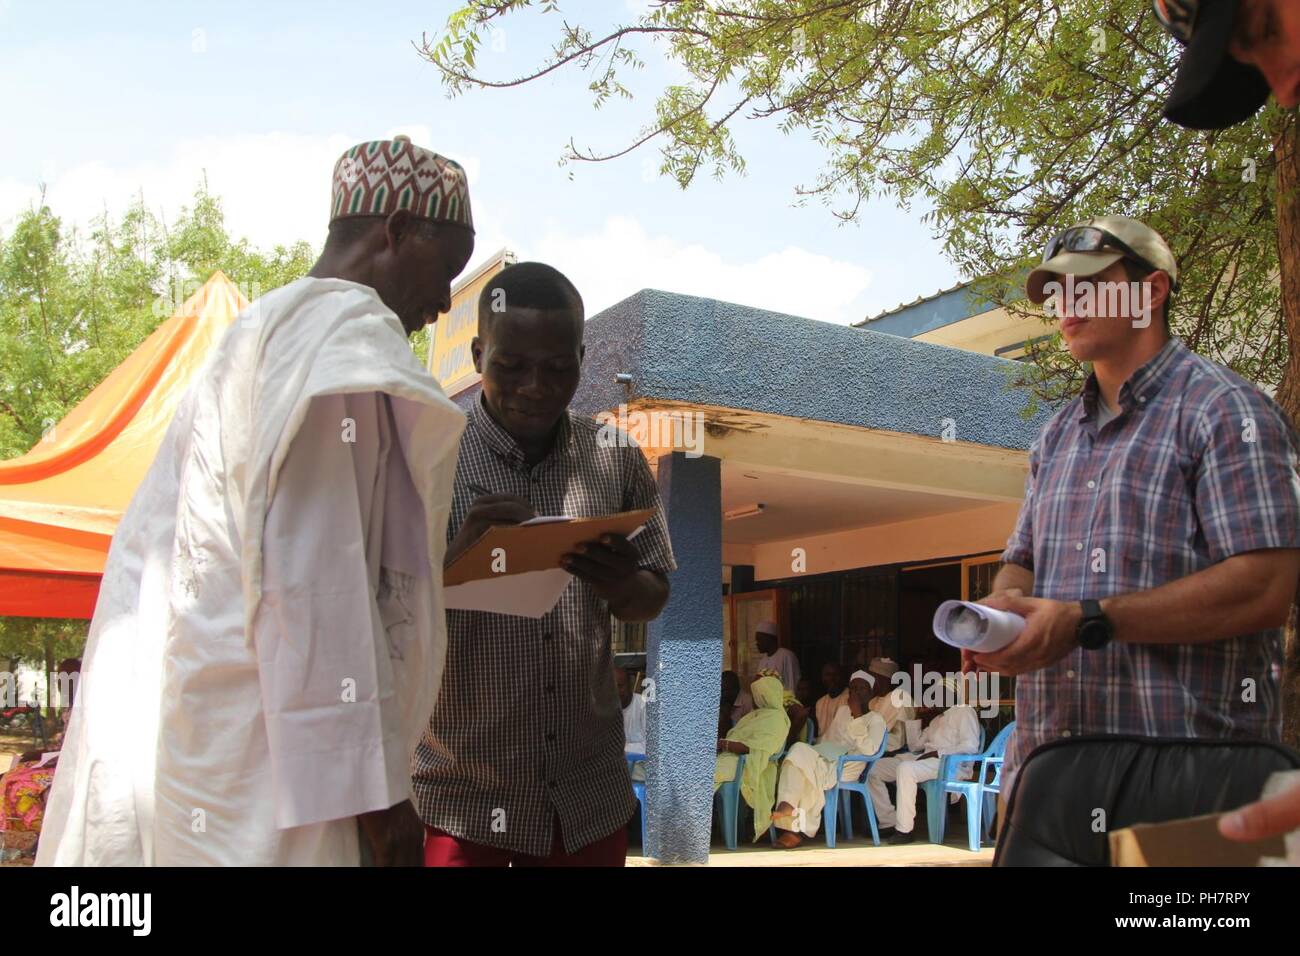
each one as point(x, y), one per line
point(380, 177)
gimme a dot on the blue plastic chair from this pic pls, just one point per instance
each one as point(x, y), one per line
point(834, 809)
point(979, 811)
point(728, 797)
point(638, 791)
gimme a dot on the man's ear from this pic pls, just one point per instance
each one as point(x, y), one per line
point(396, 228)
point(1160, 288)
point(476, 353)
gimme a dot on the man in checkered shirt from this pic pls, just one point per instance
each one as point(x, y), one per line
point(1160, 525)
point(523, 760)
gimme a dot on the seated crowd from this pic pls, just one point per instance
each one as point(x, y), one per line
point(793, 742)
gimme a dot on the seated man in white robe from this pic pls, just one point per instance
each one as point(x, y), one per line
point(955, 731)
point(270, 636)
point(893, 704)
point(634, 721)
point(807, 772)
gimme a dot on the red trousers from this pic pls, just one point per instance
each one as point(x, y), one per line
point(443, 849)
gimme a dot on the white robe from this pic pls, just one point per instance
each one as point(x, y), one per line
point(783, 661)
point(807, 772)
point(634, 725)
point(634, 733)
point(826, 709)
point(269, 636)
point(955, 731)
point(896, 708)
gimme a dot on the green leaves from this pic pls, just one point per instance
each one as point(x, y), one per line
point(73, 305)
point(1010, 118)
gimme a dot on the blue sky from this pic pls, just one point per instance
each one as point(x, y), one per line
point(103, 103)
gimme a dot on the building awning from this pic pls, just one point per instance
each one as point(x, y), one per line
point(60, 503)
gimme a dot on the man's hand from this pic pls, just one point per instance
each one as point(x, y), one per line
point(968, 657)
point(396, 835)
point(1278, 814)
point(484, 512)
point(609, 565)
point(1048, 636)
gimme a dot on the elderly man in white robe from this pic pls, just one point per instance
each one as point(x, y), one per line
point(269, 636)
point(955, 731)
point(808, 771)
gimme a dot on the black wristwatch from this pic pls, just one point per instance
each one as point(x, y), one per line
point(1094, 630)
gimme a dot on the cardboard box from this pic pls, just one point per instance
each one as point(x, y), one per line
point(1195, 841)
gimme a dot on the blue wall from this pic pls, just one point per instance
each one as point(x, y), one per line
point(684, 348)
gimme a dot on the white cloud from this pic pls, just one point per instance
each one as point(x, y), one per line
point(622, 259)
point(274, 187)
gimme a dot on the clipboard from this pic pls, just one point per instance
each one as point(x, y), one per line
point(535, 547)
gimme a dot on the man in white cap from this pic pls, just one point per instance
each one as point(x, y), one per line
point(1158, 545)
point(808, 771)
point(772, 657)
point(270, 637)
point(955, 731)
point(893, 704)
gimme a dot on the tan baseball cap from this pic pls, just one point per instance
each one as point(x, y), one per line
point(1085, 253)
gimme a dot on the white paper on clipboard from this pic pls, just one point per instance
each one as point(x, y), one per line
point(531, 594)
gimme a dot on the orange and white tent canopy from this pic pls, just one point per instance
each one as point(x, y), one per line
point(60, 503)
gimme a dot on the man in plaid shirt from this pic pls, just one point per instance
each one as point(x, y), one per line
point(1159, 532)
point(523, 760)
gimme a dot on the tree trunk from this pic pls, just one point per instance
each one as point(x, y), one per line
point(1287, 149)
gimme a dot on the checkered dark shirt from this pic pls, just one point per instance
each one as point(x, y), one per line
point(528, 725)
point(1198, 466)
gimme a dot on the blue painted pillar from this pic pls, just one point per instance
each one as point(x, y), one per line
point(684, 657)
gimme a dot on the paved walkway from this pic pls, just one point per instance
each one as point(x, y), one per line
point(853, 853)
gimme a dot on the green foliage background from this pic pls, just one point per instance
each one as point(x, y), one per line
point(1007, 120)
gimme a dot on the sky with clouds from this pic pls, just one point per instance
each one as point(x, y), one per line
point(104, 102)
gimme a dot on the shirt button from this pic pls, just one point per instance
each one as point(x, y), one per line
point(1070, 674)
point(1064, 733)
point(1142, 399)
point(550, 737)
point(1092, 484)
point(547, 636)
point(1078, 546)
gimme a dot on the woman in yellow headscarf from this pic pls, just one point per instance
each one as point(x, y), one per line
point(761, 734)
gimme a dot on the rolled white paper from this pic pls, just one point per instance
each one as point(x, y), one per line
point(974, 627)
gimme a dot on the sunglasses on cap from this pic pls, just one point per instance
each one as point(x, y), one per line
point(1096, 239)
point(1178, 17)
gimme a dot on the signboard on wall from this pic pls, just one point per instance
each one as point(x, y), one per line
point(450, 361)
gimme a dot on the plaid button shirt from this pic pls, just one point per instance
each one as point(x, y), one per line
point(1198, 466)
point(528, 725)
